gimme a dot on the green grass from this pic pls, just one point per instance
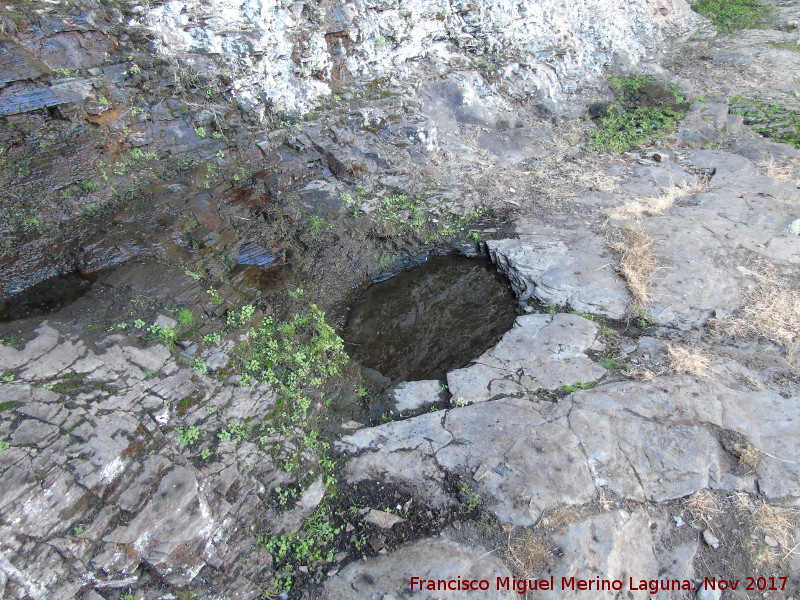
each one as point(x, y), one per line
point(613, 365)
point(575, 387)
point(424, 216)
point(786, 46)
point(630, 86)
point(635, 120)
point(315, 226)
point(185, 318)
point(769, 120)
point(623, 127)
point(732, 15)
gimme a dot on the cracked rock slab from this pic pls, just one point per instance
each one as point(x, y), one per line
point(616, 545)
point(540, 352)
point(564, 268)
point(652, 441)
point(434, 558)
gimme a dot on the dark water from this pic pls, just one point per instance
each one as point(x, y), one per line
point(45, 297)
point(425, 322)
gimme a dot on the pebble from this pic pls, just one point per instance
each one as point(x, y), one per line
point(711, 539)
point(708, 594)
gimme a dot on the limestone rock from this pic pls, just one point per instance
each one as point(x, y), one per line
point(644, 441)
point(368, 41)
point(541, 352)
point(413, 395)
point(614, 545)
point(76, 464)
point(562, 268)
point(382, 519)
point(433, 558)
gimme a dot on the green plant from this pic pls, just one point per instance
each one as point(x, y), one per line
point(206, 453)
point(613, 365)
point(293, 357)
point(242, 317)
point(188, 435)
point(630, 86)
point(384, 260)
point(103, 100)
point(88, 185)
point(311, 547)
point(285, 495)
point(732, 15)
point(623, 127)
point(642, 320)
point(769, 120)
point(78, 529)
point(200, 131)
point(61, 72)
point(580, 385)
point(211, 338)
point(470, 500)
point(794, 46)
point(200, 365)
point(4, 446)
point(167, 334)
point(238, 430)
point(315, 224)
point(215, 297)
point(630, 121)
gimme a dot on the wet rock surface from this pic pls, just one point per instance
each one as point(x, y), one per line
point(103, 491)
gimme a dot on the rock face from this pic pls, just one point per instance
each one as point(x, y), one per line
point(99, 487)
point(390, 576)
point(564, 269)
point(541, 352)
point(288, 52)
point(647, 442)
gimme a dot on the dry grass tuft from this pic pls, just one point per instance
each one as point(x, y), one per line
point(777, 526)
point(785, 172)
point(641, 374)
point(561, 516)
point(526, 554)
point(636, 263)
point(652, 207)
point(704, 505)
point(750, 456)
point(684, 360)
point(771, 311)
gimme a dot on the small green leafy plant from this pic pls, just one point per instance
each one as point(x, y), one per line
point(188, 435)
point(293, 357)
